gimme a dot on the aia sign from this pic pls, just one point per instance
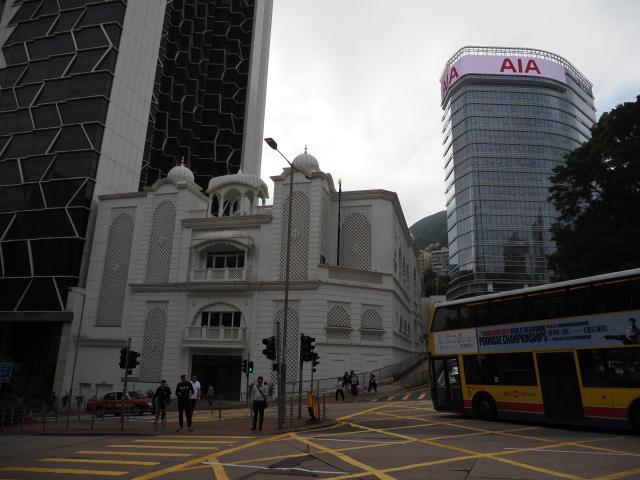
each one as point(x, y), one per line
point(500, 65)
point(509, 66)
point(449, 78)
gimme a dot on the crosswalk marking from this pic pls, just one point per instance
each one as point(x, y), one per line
point(169, 447)
point(185, 441)
point(63, 471)
point(413, 395)
point(134, 454)
point(240, 437)
point(97, 460)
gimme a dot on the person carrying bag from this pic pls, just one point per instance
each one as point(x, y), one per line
point(259, 401)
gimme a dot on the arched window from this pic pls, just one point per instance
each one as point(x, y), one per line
point(220, 319)
point(338, 323)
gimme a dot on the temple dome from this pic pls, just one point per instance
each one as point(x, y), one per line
point(306, 163)
point(246, 179)
point(181, 173)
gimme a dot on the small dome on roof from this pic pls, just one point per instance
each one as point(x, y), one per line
point(181, 173)
point(306, 162)
point(247, 179)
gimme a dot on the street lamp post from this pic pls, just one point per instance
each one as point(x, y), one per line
point(282, 368)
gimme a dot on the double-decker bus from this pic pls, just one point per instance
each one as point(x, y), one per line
point(565, 352)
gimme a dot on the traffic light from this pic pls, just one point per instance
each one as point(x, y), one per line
point(270, 350)
point(306, 347)
point(315, 360)
point(244, 366)
point(123, 358)
point(250, 370)
point(133, 359)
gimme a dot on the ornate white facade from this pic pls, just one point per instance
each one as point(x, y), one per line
point(197, 280)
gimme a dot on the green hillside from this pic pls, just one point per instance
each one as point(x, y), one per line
point(431, 229)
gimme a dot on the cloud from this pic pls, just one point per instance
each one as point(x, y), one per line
point(357, 80)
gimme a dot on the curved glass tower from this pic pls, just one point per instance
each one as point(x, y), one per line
point(510, 117)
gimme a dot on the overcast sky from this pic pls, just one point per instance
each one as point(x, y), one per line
point(358, 80)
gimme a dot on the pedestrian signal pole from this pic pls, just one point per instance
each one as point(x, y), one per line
point(126, 378)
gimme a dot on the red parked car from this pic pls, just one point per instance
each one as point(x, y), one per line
point(138, 404)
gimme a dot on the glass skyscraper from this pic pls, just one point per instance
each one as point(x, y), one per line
point(510, 116)
point(103, 97)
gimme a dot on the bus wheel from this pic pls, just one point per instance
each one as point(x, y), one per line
point(484, 407)
point(634, 416)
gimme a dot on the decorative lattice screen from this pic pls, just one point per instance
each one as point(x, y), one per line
point(371, 325)
point(292, 355)
point(155, 327)
point(115, 272)
point(338, 323)
point(161, 243)
point(355, 242)
point(299, 238)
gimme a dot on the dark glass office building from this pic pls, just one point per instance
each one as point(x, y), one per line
point(510, 116)
point(100, 97)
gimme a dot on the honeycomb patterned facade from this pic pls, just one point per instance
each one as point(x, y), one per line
point(60, 59)
point(199, 100)
point(155, 328)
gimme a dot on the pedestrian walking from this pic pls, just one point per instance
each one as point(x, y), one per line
point(346, 381)
point(195, 396)
point(259, 394)
point(161, 398)
point(354, 383)
point(340, 389)
point(210, 393)
point(372, 383)
point(184, 390)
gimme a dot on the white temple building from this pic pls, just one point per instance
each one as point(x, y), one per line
point(196, 280)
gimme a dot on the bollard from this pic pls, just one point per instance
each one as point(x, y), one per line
point(93, 417)
point(324, 407)
point(156, 410)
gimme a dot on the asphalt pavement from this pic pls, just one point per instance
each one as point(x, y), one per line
point(389, 438)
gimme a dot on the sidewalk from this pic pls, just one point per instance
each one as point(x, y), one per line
point(236, 421)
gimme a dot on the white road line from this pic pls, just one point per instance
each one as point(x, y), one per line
point(354, 441)
point(578, 451)
point(286, 469)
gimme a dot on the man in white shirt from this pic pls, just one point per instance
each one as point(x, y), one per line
point(195, 395)
point(259, 395)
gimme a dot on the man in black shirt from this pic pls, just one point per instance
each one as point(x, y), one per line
point(184, 389)
point(161, 398)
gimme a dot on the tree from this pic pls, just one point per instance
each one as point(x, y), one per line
point(434, 283)
point(597, 196)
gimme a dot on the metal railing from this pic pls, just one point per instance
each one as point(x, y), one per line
point(218, 274)
point(530, 52)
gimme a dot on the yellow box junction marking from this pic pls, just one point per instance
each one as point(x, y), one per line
point(212, 457)
point(369, 470)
